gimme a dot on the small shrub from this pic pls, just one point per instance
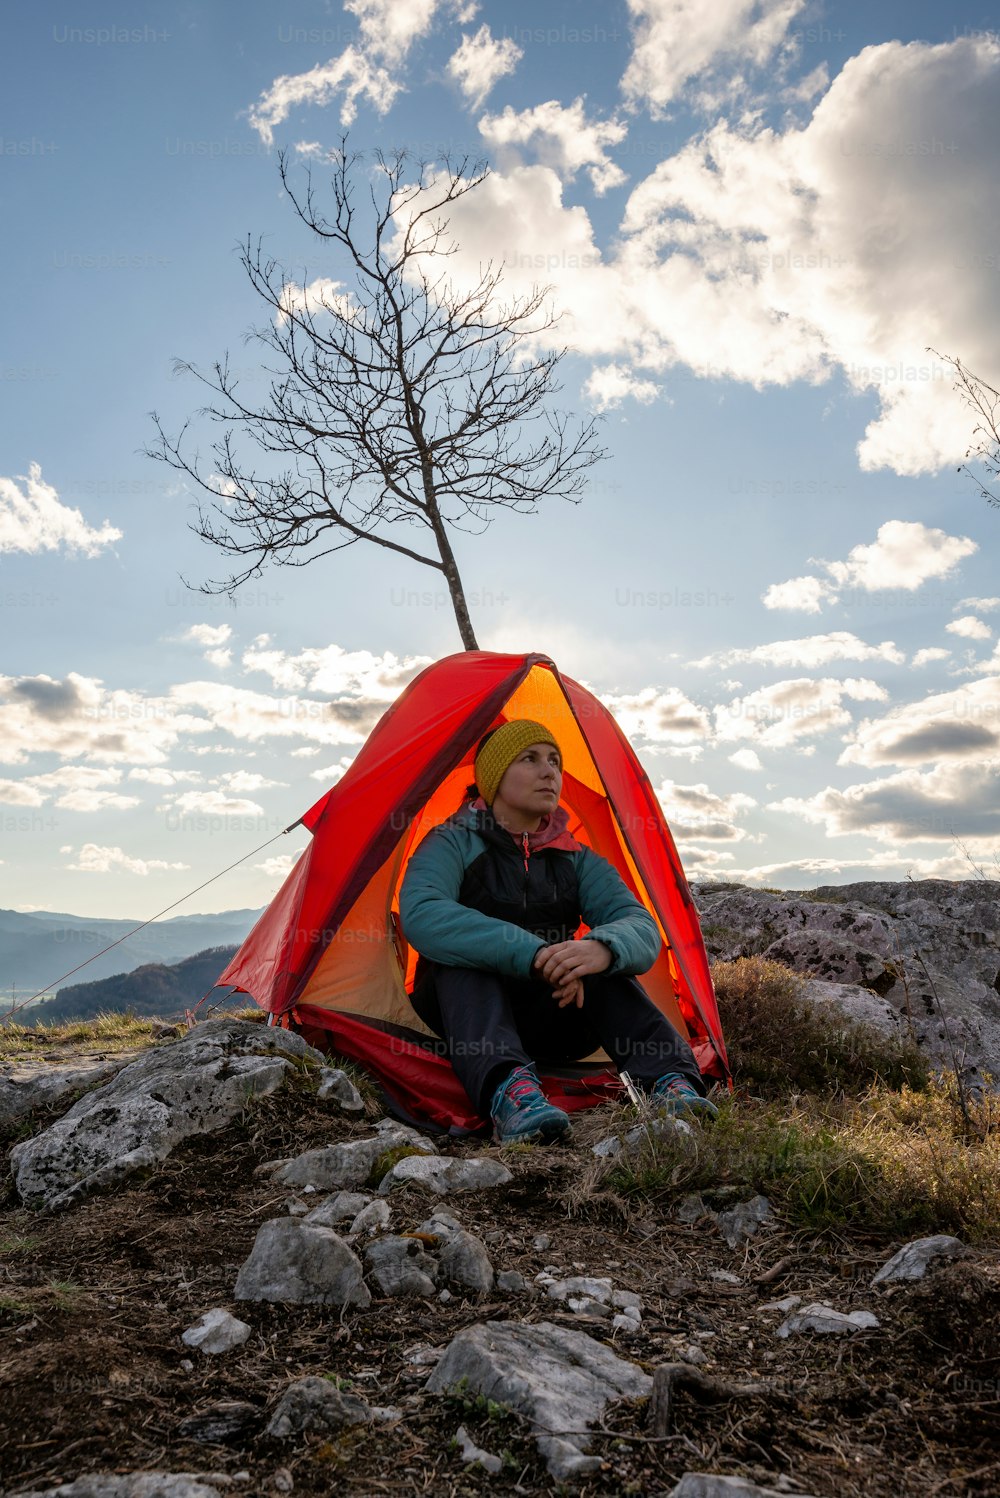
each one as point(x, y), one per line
point(779, 1043)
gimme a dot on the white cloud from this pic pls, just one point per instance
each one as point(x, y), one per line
point(353, 74)
point(667, 717)
point(811, 650)
point(321, 295)
point(330, 669)
point(78, 718)
point(211, 804)
point(970, 628)
point(93, 858)
point(904, 556)
point(330, 774)
point(84, 788)
point(960, 725)
point(480, 62)
point(390, 27)
point(887, 863)
point(220, 658)
point(306, 752)
point(781, 715)
point(812, 248)
point(679, 40)
point(804, 593)
point(164, 777)
point(236, 781)
point(695, 812)
point(32, 519)
point(980, 605)
point(209, 634)
point(928, 654)
point(20, 793)
point(746, 759)
point(560, 137)
point(278, 867)
point(610, 384)
point(951, 801)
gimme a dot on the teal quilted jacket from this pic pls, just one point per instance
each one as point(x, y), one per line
point(444, 930)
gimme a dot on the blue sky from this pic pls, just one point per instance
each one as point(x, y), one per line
point(755, 219)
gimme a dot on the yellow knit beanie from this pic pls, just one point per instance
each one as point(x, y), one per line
point(502, 748)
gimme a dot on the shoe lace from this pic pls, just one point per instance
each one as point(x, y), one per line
point(522, 1088)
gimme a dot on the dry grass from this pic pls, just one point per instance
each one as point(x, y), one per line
point(884, 1164)
point(80, 1036)
point(779, 1043)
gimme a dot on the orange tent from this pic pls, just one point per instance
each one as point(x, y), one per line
point(328, 954)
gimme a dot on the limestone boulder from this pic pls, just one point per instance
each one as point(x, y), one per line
point(559, 1379)
point(194, 1086)
point(930, 948)
point(292, 1260)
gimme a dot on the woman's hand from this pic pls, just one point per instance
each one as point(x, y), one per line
point(566, 963)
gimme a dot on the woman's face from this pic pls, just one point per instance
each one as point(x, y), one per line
point(532, 782)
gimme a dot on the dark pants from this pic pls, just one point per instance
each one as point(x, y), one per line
point(493, 1024)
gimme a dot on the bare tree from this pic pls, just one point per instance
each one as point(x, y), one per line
point(400, 402)
point(984, 403)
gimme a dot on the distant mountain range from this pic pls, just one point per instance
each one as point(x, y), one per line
point(153, 989)
point(39, 950)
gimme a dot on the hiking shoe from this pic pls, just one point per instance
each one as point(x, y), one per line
point(674, 1094)
point(521, 1111)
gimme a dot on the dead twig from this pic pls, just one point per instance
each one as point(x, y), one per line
point(776, 1270)
point(672, 1376)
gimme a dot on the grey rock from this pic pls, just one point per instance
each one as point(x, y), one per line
point(442, 1223)
point(346, 1164)
point(316, 1404)
point(136, 1485)
point(445, 1174)
point(664, 1126)
point(231, 1422)
point(293, 1260)
point(822, 1318)
point(692, 1209)
point(371, 1219)
point(693, 1354)
point(401, 1266)
point(463, 1260)
point(881, 936)
point(541, 1242)
point(557, 1378)
point(422, 1355)
point(511, 1282)
point(470, 1452)
point(216, 1332)
point(914, 1259)
point(711, 1485)
point(742, 1221)
point(788, 1303)
point(577, 1285)
point(335, 1086)
point(24, 1088)
point(625, 1324)
point(343, 1207)
point(194, 1086)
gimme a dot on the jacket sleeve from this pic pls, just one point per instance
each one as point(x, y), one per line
point(443, 930)
point(615, 916)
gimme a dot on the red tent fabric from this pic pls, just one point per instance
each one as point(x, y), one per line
point(328, 955)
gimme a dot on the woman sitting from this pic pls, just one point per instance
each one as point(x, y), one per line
point(490, 901)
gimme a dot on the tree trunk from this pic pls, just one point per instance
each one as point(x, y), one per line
point(450, 569)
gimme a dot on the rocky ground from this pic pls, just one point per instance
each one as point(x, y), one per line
point(568, 1306)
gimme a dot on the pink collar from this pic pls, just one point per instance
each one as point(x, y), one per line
point(552, 833)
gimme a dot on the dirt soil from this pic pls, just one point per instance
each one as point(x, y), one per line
point(94, 1376)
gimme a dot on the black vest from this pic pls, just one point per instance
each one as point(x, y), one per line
point(541, 898)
